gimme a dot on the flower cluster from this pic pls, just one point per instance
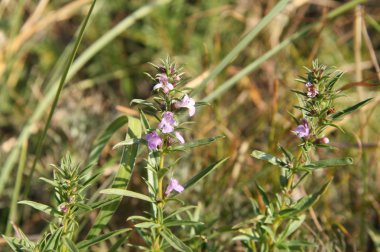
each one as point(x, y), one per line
point(172, 100)
point(317, 103)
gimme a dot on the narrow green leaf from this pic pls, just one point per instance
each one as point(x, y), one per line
point(268, 157)
point(54, 241)
point(298, 92)
point(351, 109)
point(58, 92)
point(103, 139)
point(144, 103)
point(147, 224)
point(196, 143)
point(329, 163)
point(306, 202)
point(17, 244)
point(175, 223)
point(50, 182)
point(263, 194)
point(87, 243)
point(291, 227)
point(144, 121)
point(70, 245)
point(333, 81)
point(375, 237)
point(41, 207)
point(127, 142)
point(139, 218)
point(127, 193)
point(121, 179)
point(203, 173)
point(174, 241)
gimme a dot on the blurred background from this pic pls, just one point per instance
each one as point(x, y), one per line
point(36, 37)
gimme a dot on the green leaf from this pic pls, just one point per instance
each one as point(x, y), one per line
point(268, 157)
point(138, 217)
point(54, 241)
point(16, 244)
point(175, 223)
point(122, 177)
point(70, 245)
point(305, 202)
point(50, 182)
point(58, 91)
point(103, 139)
point(291, 227)
point(351, 109)
point(127, 142)
point(174, 241)
point(42, 207)
point(298, 92)
point(375, 237)
point(144, 103)
point(329, 163)
point(196, 143)
point(127, 193)
point(287, 154)
point(144, 121)
point(87, 243)
point(333, 80)
point(203, 173)
point(263, 194)
point(147, 224)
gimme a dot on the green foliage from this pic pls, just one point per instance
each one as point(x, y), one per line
point(282, 216)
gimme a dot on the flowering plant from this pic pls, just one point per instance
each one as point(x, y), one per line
point(170, 100)
point(272, 227)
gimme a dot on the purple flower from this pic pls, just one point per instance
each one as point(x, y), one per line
point(163, 83)
point(167, 122)
point(154, 140)
point(302, 130)
point(188, 103)
point(311, 90)
point(174, 185)
point(179, 137)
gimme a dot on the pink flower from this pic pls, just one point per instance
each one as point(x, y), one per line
point(174, 185)
point(323, 140)
point(188, 103)
point(311, 90)
point(154, 140)
point(302, 130)
point(167, 122)
point(163, 83)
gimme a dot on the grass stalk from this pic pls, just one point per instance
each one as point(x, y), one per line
point(56, 98)
point(16, 191)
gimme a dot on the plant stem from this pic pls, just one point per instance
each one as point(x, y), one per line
point(16, 193)
point(160, 205)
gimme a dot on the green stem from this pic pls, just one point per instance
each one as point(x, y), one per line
point(16, 191)
point(160, 205)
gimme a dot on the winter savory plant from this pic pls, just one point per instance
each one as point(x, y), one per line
point(171, 105)
point(273, 227)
